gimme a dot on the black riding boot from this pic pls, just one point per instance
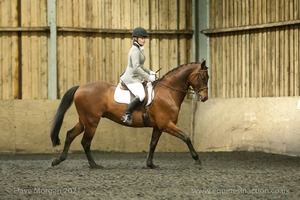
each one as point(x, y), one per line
point(127, 115)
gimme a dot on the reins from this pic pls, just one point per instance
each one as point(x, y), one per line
point(179, 90)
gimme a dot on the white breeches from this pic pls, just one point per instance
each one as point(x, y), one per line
point(137, 89)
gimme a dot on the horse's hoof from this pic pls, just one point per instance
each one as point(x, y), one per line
point(152, 166)
point(55, 162)
point(95, 166)
point(198, 164)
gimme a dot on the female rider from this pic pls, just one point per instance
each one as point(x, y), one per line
point(135, 73)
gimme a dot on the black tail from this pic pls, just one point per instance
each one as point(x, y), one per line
point(64, 105)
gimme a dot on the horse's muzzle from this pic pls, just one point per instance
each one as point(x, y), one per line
point(203, 99)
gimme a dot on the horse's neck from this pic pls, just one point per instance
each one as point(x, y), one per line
point(177, 82)
point(179, 79)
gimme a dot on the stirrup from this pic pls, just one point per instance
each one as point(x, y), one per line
point(126, 118)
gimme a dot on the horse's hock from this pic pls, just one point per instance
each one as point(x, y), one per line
point(251, 124)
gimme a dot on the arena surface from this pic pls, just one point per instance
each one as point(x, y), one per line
point(235, 175)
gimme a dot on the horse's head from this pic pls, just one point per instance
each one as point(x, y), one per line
point(199, 80)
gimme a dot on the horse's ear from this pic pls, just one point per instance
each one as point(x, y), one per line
point(203, 65)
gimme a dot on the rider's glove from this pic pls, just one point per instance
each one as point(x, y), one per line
point(152, 77)
point(152, 73)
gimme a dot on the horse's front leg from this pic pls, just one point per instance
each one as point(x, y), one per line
point(175, 131)
point(156, 133)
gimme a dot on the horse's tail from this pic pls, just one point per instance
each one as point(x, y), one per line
point(64, 105)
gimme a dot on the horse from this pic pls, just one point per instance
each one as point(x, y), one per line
point(95, 100)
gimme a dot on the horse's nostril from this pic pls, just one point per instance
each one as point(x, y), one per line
point(204, 99)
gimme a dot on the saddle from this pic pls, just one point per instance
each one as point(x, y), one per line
point(124, 96)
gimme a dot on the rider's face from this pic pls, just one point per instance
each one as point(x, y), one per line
point(141, 41)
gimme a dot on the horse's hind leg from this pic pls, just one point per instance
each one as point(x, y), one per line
point(86, 144)
point(71, 135)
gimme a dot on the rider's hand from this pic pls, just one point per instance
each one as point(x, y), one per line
point(152, 73)
point(152, 77)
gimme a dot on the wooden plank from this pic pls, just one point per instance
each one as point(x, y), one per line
point(296, 53)
point(281, 53)
point(127, 17)
point(286, 52)
point(26, 73)
point(173, 40)
point(6, 81)
point(116, 44)
point(219, 69)
point(182, 15)
point(292, 50)
point(44, 68)
point(33, 68)
point(145, 13)
point(277, 52)
point(15, 66)
point(60, 67)
point(188, 15)
point(235, 57)
point(6, 56)
point(291, 63)
point(223, 48)
point(264, 69)
point(26, 46)
point(163, 15)
point(59, 12)
point(24, 29)
point(251, 27)
point(125, 31)
point(245, 52)
point(277, 57)
point(271, 49)
point(33, 51)
point(69, 62)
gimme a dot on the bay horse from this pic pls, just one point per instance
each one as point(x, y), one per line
point(96, 99)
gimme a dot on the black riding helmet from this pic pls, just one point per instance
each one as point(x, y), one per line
point(139, 32)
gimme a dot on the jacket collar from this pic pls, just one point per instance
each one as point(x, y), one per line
point(138, 46)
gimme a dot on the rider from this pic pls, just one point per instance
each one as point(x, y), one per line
point(135, 73)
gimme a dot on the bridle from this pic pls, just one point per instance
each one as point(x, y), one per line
point(198, 86)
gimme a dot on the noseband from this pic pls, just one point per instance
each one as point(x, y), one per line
point(197, 92)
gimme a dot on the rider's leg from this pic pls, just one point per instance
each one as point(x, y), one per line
point(127, 115)
point(138, 90)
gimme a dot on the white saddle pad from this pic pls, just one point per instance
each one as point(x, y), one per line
point(123, 96)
